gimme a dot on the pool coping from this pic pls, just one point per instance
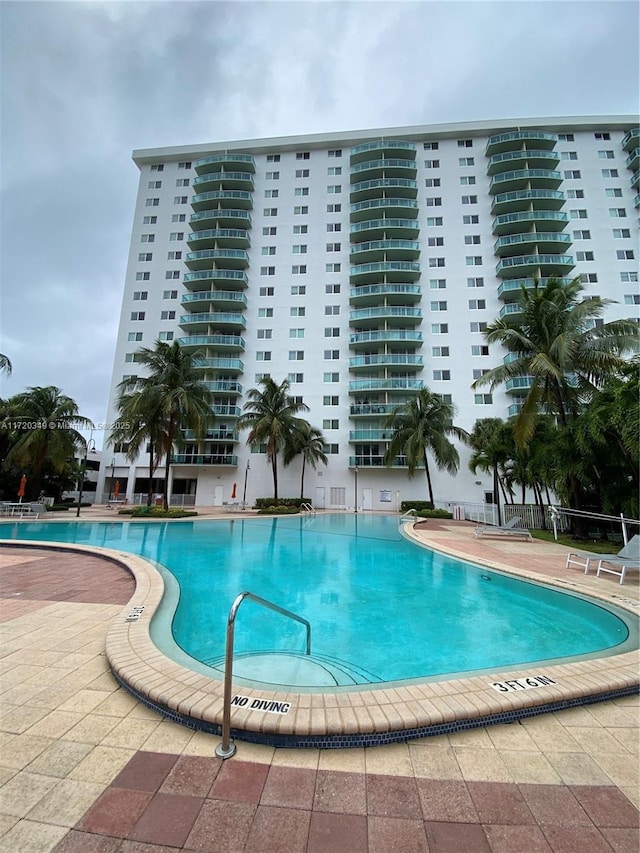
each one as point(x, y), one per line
point(351, 717)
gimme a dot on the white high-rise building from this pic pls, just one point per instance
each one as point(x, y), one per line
point(361, 266)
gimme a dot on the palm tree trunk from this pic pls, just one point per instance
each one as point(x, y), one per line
point(496, 494)
point(170, 433)
point(304, 462)
point(428, 473)
point(274, 468)
point(150, 485)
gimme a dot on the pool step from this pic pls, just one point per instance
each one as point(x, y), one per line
point(296, 669)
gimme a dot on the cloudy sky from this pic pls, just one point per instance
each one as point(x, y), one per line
point(84, 83)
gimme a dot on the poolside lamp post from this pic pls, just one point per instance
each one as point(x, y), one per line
point(355, 496)
point(244, 493)
point(90, 447)
point(113, 472)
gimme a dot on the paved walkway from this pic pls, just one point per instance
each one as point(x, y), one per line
point(84, 768)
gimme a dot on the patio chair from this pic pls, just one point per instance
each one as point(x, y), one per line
point(626, 558)
point(509, 530)
point(33, 510)
point(581, 559)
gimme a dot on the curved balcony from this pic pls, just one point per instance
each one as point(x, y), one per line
point(524, 158)
point(541, 241)
point(511, 223)
point(238, 198)
point(223, 342)
point(228, 216)
point(402, 188)
point(514, 285)
point(370, 434)
point(381, 228)
point(218, 319)
point(631, 139)
point(232, 258)
point(392, 384)
point(510, 309)
point(224, 181)
point(226, 410)
point(528, 199)
point(223, 386)
point(385, 336)
point(372, 294)
point(406, 207)
point(518, 384)
point(222, 298)
point(228, 277)
point(214, 238)
point(229, 365)
point(243, 162)
point(371, 409)
point(205, 459)
point(520, 138)
point(385, 167)
point(392, 270)
point(522, 179)
point(385, 250)
point(392, 359)
point(400, 316)
point(635, 179)
point(383, 147)
point(633, 159)
point(548, 265)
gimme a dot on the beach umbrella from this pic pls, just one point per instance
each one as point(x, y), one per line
point(233, 493)
point(21, 488)
point(116, 489)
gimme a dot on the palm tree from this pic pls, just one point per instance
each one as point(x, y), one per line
point(270, 417)
point(174, 397)
point(308, 442)
point(489, 441)
point(50, 438)
point(558, 347)
point(421, 426)
point(5, 365)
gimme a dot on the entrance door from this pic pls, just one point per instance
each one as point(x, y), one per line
point(367, 499)
point(218, 492)
point(319, 503)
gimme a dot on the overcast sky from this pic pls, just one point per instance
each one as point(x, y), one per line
point(84, 83)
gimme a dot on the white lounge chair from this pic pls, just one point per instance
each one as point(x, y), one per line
point(626, 558)
point(510, 529)
point(581, 559)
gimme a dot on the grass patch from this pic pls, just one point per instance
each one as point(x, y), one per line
point(595, 546)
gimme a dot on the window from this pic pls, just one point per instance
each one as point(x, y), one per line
point(437, 283)
point(332, 267)
point(143, 276)
point(330, 450)
point(582, 235)
point(134, 337)
point(333, 247)
point(435, 241)
point(264, 334)
point(440, 352)
point(332, 332)
point(469, 199)
point(334, 226)
point(180, 199)
point(165, 336)
point(169, 294)
point(299, 249)
point(479, 349)
point(473, 260)
point(131, 356)
point(265, 312)
point(154, 185)
point(271, 193)
point(332, 288)
point(149, 220)
point(302, 155)
point(263, 355)
point(330, 401)
point(174, 256)
point(441, 375)
point(465, 143)
point(297, 311)
point(589, 277)
point(572, 174)
point(475, 282)
point(157, 167)
point(565, 137)
point(176, 235)
point(152, 202)
point(299, 269)
point(436, 262)
point(477, 304)
point(472, 239)
point(465, 161)
point(267, 270)
point(182, 182)
point(266, 291)
point(296, 333)
point(434, 201)
point(331, 354)
point(295, 377)
point(624, 254)
point(478, 327)
point(483, 399)
point(599, 135)
point(268, 250)
point(434, 221)
point(438, 306)
point(300, 210)
point(145, 256)
point(613, 192)
point(470, 219)
point(569, 155)
point(432, 182)
point(621, 233)
point(301, 191)
point(334, 152)
point(431, 146)
point(617, 212)
point(302, 173)
point(439, 328)
point(432, 164)
point(300, 229)
point(272, 176)
point(298, 289)
point(584, 256)
point(609, 173)
point(467, 180)
point(579, 213)
point(179, 217)
point(330, 423)
point(628, 276)
point(575, 193)
point(140, 295)
point(273, 158)
point(334, 188)
point(184, 164)
point(606, 155)
point(632, 299)
point(167, 315)
point(479, 372)
point(269, 231)
point(331, 377)
point(270, 211)
point(334, 208)
point(334, 170)
point(137, 315)
point(331, 310)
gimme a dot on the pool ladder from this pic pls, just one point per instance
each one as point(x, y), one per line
point(308, 508)
point(226, 749)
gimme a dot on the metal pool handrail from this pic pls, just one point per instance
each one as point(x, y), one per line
point(308, 508)
point(227, 749)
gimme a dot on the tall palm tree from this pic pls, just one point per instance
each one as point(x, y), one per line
point(558, 346)
point(5, 364)
point(270, 417)
point(489, 442)
point(422, 426)
point(50, 438)
point(176, 395)
point(308, 442)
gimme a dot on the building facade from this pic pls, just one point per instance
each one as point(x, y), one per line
point(362, 266)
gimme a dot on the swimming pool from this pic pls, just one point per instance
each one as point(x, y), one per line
point(381, 609)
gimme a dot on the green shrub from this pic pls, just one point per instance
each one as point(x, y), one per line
point(281, 509)
point(263, 503)
point(156, 512)
point(434, 513)
point(417, 505)
point(59, 507)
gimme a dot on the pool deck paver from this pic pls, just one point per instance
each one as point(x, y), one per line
point(121, 779)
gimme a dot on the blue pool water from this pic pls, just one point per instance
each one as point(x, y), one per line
point(381, 608)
